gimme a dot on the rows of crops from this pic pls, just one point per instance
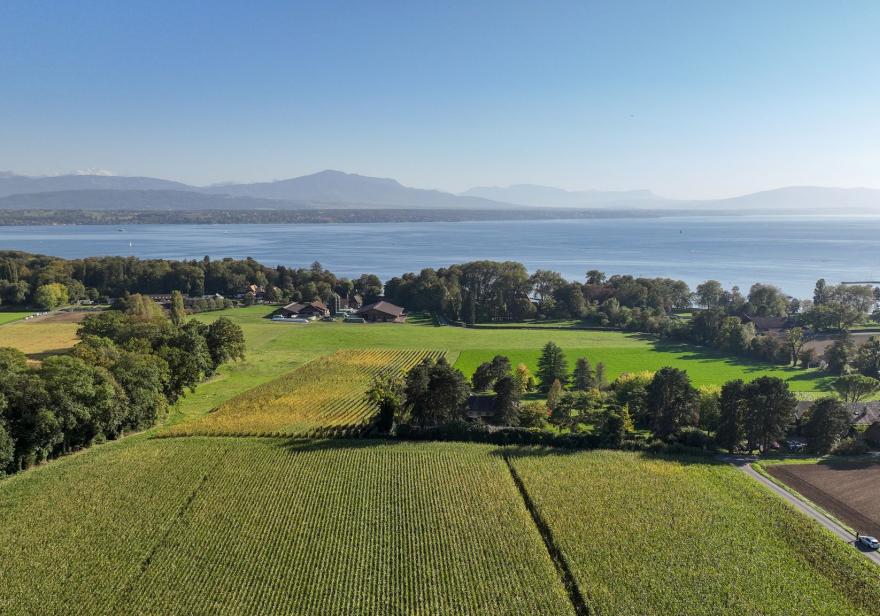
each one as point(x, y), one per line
point(272, 526)
point(652, 536)
point(325, 397)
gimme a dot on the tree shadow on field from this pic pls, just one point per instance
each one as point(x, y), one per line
point(851, 463)
point(311, 445)
point(542, 451)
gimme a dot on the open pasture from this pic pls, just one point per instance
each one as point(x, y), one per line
point(621, 352)
point(39, 337)
point(849, 490)
point(705, 367)
point(270, 526)
point(656, 536)
point(324, 397)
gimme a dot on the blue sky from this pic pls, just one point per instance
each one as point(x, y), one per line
point(690, 99)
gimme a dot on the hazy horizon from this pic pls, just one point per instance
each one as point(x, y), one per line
point(691, 102)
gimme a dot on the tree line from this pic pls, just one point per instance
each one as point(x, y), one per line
point(128, 367)
point(738, 416)
point(48, 282)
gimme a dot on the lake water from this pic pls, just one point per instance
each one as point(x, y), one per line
point(791, 252)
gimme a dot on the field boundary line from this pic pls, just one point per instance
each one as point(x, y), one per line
point(563, 567)
point(760, 468)
point(803, 506)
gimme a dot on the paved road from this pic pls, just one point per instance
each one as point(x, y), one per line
point(744, 464)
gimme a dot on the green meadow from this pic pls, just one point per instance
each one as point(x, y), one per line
point(275, 348)
point(9, 317)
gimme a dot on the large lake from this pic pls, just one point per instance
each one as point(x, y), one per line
point(791, 252)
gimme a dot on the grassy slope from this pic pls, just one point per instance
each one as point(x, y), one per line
point(653, 536)
point(215, 525)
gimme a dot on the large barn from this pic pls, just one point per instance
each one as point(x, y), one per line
point(382, 312)
point(311, 309)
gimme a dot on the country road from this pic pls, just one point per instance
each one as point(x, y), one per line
point(744, 463)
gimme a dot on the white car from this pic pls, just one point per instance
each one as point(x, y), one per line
point(869, 542)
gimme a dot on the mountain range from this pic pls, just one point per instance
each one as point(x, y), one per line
point(335, 189)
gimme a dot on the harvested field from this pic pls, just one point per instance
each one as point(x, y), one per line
point(39, 337)
point(69, 316)
point(850, 491)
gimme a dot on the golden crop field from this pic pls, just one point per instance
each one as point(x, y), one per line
point(325, 397)
point(273, 526)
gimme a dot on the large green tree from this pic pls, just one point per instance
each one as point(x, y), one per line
point(827, 423)
point(582, 378)
point(672, 401)
point(225, 340)
point(435, 393)
point(489, 372)
point(855, 387)
point(731, 420)
point(769, 411)
point(552, 366)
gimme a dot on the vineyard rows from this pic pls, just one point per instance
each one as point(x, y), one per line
point(272, 526)
point(323, 398)
point(649, 536)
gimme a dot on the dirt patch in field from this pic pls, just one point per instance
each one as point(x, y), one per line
point(848, 491)
point(62, 317)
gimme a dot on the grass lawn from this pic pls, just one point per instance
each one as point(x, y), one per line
point(11, 316)
point(704, 366)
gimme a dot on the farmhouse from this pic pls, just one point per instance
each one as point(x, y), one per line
point(861, 413)
point(382, 312)
point(769, 325)
point(311, 309)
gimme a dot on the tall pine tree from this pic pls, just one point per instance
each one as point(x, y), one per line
point(552, 366)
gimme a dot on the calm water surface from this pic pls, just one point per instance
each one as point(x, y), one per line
point(791, 252)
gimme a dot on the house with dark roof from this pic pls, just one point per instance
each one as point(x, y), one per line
point(382, 312)
point(355, 301)
point(480, 406)
point(860, 413)
point(767, 325)
point(311, 309)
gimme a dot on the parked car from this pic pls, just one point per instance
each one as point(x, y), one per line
point(355, 320)
point(869, 542)
point(330, 319)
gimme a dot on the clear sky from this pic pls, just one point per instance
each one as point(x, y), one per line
point(690, 99)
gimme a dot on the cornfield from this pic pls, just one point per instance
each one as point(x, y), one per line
point(648, 536)
point(323, 398)
point(273, 526)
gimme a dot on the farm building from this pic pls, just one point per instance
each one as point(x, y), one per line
point(382, 312)
point(355, 301)
point(480, 407)
point(311, 309)
point(861, 413)
point(769, 325)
